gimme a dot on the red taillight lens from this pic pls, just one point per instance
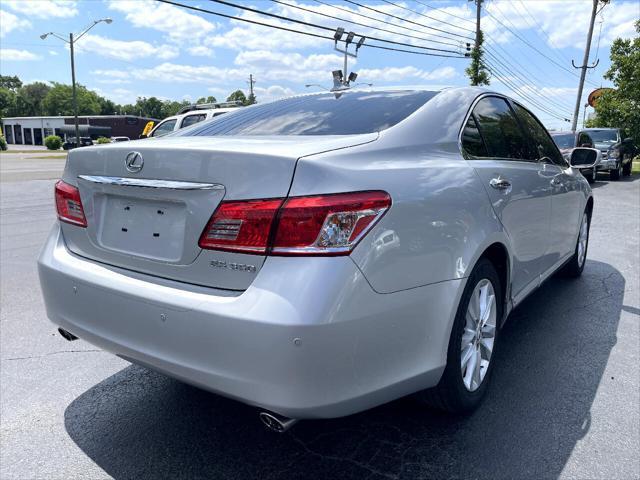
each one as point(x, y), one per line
point(69, 205)
point(241, 226)
point(327, 224)
point(315, 225)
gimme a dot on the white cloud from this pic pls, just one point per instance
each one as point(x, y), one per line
point(565, 25)
point(201, 51)
point(397, 74)
point(10, 22)
point(175, 22)
point(274, 92)
point(53, 53)
point(109, 47)
point(44, 8)
point(12, 54)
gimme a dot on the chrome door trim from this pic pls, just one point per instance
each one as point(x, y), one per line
point(150, 183)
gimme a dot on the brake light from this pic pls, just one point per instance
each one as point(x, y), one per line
point(241, 226)
point(314, 225)
point(327, 224)
point(69, 205)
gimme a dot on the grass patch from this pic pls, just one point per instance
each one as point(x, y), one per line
point(48, 157)
point(32, 151)
point(635, 167)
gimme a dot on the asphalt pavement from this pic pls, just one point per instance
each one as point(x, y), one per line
point(564, 402)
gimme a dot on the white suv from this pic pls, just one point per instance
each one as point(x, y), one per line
point(192, 114)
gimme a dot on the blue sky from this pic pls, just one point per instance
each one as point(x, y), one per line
point(155, 49)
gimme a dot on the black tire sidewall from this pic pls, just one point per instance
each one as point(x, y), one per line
point(464, 400)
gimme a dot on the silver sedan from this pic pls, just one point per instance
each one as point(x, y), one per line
point(322, 254)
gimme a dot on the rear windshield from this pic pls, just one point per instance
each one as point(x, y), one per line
point(565, 141)
point(346, 113)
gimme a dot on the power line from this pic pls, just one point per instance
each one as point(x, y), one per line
point(365, 25)
point(518, 68)
point(407, 20)
point(537, 24)
point(350, 12)
point(426, 16)
point(502, 77)
point(322, 27)
point(291, 30)
point(445, 12)
point(529, 44)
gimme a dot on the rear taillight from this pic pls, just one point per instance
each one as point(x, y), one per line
point(241, 226)
point(314, 225)
point(69, 205)
point(327, 224)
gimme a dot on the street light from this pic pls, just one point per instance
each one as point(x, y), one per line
point(71, 43)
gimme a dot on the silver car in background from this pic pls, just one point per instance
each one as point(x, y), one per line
point(321, 254)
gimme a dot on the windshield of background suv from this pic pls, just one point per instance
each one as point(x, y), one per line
point(565, 141)
point(346, 113)
point(604, 136)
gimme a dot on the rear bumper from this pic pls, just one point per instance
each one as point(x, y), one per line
point(308, 339)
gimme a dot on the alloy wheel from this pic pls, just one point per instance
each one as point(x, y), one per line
point(478, 337)
point(583, 237)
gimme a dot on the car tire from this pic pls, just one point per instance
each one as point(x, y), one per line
point(616, 173)
point(591, 177)
point(462, 387)
point(574, 267)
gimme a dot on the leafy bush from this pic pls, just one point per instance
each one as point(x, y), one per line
point(53, 142)
point(103, 140)
point(3, 143)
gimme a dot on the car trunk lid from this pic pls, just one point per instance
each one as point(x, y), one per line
point(148, 202)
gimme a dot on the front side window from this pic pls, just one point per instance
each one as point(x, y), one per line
point(584, 140)
point(565, 140)
point(164, 128)
point(344, 113)
point(542, 143)
point(192, 119)
point(500, 130)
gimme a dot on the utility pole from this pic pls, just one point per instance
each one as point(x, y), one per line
point(73, 90)
point(251, 83)
point(585, 66)
point(72, 40)
point(476, 70)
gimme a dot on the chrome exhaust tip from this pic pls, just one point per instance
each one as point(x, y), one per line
point(276, 422)
point(67, 335)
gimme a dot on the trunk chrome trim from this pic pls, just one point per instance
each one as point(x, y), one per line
point(151, 183)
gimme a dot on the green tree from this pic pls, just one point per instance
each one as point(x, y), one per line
point(12, 83)
point(149, 107)
point(58, 101)
point(620, 107)
point(30, 98)
point(237, 95)
point(7, 102)
point(107, 107)
point(477, 70)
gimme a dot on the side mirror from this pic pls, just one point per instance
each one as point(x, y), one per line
point(585, 157)
point(142, 135)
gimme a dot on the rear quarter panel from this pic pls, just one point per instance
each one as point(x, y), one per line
point(440, 219)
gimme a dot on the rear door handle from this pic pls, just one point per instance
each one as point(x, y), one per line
point(500, 183)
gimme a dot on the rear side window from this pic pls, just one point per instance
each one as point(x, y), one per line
point(544, 146)
point(472, 140)
point(344, 113)
point(164, 128)
point(192, 119)
point(500, 130)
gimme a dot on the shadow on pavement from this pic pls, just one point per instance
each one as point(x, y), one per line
point(550, 362)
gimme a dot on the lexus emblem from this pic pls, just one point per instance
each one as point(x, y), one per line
point(134, 162)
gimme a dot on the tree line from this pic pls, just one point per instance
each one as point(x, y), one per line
point(41, 99)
